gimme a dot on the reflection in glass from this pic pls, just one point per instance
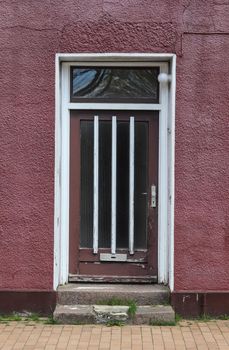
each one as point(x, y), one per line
point(115, 83)
point(86, 194)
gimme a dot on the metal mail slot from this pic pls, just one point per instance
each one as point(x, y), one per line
point(113, 257)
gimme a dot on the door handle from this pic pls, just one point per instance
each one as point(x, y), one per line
point(153, 196)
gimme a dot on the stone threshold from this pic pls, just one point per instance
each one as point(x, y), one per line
point(105, 314)
point(94, 293)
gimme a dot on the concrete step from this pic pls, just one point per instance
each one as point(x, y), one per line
point(92, 293)
point(104, 314)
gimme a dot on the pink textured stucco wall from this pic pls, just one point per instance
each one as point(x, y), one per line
point(31, 32)
point(202, 160)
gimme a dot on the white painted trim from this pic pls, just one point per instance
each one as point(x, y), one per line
point(113, 184)
point(163, 184)
point(114, 57)
point(64, 177)
point(116, 106)
point(96, 186)
point(166, 157)
point(57, 201)
point(171, 171)
point(131, 186)
point(111, 64)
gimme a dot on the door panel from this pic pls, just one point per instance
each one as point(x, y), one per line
point(85, 255)
point(144, 260)
point(113, 269)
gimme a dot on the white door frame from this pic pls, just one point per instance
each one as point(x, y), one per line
point(166, 107)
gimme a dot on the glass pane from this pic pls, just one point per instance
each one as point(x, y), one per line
point(116, 84)
point(104, 184)
point(86, 208)
point(122, 184)
point(141, 185)
point(86, 194)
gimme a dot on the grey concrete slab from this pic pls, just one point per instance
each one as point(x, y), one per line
point(74, 314)
point(157, 314)
point(100, 314)
point(92, 293)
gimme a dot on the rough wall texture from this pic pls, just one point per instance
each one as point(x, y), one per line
point(31, 32)
point(201, 225)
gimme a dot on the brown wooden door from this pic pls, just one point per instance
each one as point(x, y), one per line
point(86, 264)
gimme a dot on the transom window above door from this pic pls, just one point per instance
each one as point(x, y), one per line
point(115, 84)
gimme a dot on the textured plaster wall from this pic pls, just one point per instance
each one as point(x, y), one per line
point(202, 160)
point(31, 32)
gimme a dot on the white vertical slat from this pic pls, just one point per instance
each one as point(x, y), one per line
point(171, 148)
point(131, 187)
point(113, 184)
point(64, 177)
point(163, 198)
point(96, 186)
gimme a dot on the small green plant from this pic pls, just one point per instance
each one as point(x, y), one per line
point(162, 323)
point(50, 320)
point(28, 318)
point(178, 318)
point(207, 318)
point(114, 323)
point(121, 302)
point(223, 317)
point(204, 318)
point(32, 317)
point(132, 308)
point(8, 318)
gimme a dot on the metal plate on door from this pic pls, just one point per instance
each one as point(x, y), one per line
point(113, 257)
point(153, 196)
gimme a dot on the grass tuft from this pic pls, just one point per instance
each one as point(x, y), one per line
point(202, 318)
point(162, 323)
point(8, 318)
point(178, 318)
point(114, 323)
point(132, 308)
point(32, 317)
point(223, 317)
point(121, 302)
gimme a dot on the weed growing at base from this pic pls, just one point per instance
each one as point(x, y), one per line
point(121, 302)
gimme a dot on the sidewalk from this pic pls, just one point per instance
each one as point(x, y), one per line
point(188, 335)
